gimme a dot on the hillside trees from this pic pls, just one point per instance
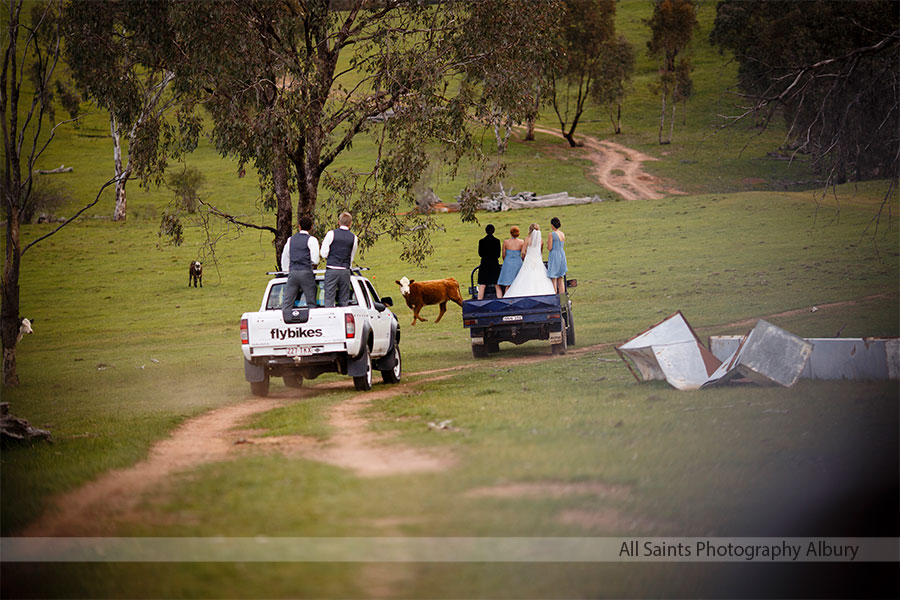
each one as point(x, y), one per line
point(118, 52)
point(290, 85)
point(511, 78)
point(31, 55)
point(832, 69)
point(588, 27)
point(612, 84)
point(672, 26)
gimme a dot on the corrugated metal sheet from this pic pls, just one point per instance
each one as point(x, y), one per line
point(670, 351)
point(768, 356)
point(835, 358)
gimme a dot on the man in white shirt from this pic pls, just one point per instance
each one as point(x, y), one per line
point(299, 257)
point(339, 250)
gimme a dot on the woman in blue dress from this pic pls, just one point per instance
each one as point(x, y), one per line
point(556, 260)
point(512, 260)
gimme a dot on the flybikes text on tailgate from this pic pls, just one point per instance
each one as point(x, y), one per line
point(281, 334)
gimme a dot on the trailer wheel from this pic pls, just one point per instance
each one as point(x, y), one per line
point(479, 350)
point(570, 331)
point(260, 388)
point(493, 347)
point(559, 348)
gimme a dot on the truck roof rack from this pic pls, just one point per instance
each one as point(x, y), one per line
point(316, 271)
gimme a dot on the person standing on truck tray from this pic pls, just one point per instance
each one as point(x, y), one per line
point(556, 260)
point(298, 258)
point(489, 268)
point(339, 250)
point(512, 260)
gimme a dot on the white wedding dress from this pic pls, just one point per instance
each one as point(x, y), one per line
point(532, 279)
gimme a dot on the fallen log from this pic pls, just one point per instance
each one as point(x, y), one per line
point(59, 169)
point(13, 429)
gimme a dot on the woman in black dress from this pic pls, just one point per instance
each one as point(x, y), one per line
point(489, 268)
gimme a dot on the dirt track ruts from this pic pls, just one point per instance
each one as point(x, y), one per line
point(620, 169)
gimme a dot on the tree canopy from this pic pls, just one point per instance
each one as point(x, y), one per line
point(289, 85)
point(671, 30)
point(831, 69)
point(588, 28)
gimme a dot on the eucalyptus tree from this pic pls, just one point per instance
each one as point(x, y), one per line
point(118, 52)
point(672, 27)
point(613, 81)
point(511, 77)
point(588, 27)
point(31, 55)
point(290, 85)
point(830, 69)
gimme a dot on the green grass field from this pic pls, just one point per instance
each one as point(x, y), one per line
point(124, 353)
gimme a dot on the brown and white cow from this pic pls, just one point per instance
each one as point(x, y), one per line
point(423, 293)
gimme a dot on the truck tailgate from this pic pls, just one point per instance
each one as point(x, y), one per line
point(494, 311)
point(269, 334)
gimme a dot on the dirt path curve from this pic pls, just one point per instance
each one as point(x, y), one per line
point(93, 508)
point(99, 506)
point(619, 169)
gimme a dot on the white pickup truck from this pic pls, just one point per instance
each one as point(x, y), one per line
point(308, 340)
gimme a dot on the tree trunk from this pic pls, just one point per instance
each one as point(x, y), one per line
point(120, 212)
point(662, 116)
point(672, 122)
point(616, 118)
point(9, 315)
point(306, 161)
point(529, 129)
point(501, 147)
point(284, 212)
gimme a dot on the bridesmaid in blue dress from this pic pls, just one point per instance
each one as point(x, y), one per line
point(512, 260)
point(556, 260)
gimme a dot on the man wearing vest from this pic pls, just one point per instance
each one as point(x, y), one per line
point(339, 250)
point(299, 257)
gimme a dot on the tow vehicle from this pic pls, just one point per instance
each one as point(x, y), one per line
point(309, 339)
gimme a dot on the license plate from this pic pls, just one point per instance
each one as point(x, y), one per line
point(513, 318)
point(300, 351)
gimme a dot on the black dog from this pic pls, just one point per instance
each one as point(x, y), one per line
point(195, 273)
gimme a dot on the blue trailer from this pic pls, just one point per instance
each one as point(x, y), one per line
point(518, 320)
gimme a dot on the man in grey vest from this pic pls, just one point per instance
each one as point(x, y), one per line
point(299, 257)
point(339, 250)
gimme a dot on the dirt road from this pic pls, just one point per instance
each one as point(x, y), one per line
point(620, 169)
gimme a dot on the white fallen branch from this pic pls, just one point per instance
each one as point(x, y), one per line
point(59, 169)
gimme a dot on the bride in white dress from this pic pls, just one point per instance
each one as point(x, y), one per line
point(532, 279)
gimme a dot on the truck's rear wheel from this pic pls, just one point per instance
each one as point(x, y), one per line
point(393, 375)
point(559, 348)
point(479, 351)
point(570, 330)
point(293, 380)
point(260, 388)
point(364, 382)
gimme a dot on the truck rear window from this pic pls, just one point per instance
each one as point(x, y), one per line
point(276, 296)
